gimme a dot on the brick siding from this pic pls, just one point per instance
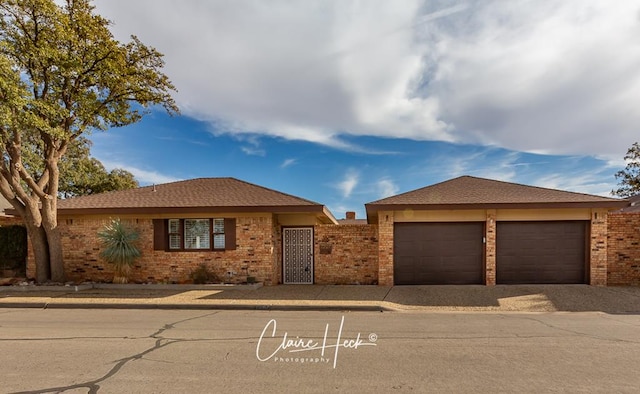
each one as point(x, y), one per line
point(10, 221)
point(385, 250)
point(623, 252)
point(254, 254)
point(346, 254)
point(598, 247)
point(490, 249)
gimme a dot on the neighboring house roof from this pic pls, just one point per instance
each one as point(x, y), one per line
point(4, 204)
point(467, 192)
point(350, 219)
point(194, 196)
point(633, 206)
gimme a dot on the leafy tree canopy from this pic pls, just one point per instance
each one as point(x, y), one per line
point(62, 75)
point(629, 178)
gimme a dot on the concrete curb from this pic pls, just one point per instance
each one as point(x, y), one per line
point(111, 286)
point(270, 307)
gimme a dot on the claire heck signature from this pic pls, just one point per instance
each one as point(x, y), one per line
point(293, 346)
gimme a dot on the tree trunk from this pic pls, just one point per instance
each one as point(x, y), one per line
point(55, 255)
point(50, 216)
point(38, 238)
point(54, 240)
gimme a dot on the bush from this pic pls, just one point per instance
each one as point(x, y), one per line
point(202, 275)
point(13, 247)
point(120, 248)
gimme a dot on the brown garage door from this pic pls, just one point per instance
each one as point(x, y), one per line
point(438, 253)
point(541, 252)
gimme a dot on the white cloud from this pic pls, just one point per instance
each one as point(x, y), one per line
point(350, 181)
point(253, 151)
point(144, 177)
point(537, 76)
point(288, 162)
point(584, 183)
point(386, 188)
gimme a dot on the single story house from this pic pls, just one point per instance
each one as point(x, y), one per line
point(236, 228)
point(471, 230)
point(467, 230)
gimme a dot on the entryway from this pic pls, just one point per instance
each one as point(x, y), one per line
point(297, 256)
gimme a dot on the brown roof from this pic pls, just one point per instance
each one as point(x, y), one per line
point(4, 204)
point(467, 192)
point(633, 205)
point(196, 196)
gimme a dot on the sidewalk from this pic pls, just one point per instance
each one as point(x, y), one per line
point(521, 298)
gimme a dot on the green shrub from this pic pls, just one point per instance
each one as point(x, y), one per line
point(120, 248)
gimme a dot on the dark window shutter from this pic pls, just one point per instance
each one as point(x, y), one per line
point(230, 234)
point(159, 234)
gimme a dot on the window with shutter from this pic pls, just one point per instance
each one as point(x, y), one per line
point(195, 234)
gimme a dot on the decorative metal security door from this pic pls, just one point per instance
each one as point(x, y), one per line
point(297, 255)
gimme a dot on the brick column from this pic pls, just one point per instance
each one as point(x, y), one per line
point(598, 248)
point(385, 248)
point(490, 248)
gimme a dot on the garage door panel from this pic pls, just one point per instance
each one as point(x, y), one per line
point(541, 252)
point(438, 253)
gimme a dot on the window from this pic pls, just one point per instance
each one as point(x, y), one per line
point(194, 234)
point(218, 234)
point(175, 236)
point(197, 234)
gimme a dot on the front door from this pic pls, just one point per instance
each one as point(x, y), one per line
point(297, 255)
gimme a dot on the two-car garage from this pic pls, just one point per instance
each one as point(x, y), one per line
point(471, 230)
point(527, 252)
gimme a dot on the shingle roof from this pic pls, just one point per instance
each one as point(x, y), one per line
point(4, 204)
point(467, 192)
point(202, 194)
point(633, 206)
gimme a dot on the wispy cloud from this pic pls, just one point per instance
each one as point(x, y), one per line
point(253, 151)
point(288, 162)
point(189, 140)
point(349, 182)
point(144, 177)
point(386, 188)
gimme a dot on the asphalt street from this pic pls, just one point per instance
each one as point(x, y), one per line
point(156, 351)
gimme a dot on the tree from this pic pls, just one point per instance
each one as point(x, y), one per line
point(81, 174)
point(629, 178)
point(62, 75)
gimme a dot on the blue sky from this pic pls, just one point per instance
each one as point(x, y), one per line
point(346, 102)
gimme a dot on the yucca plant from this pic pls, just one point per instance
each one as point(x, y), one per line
point(120, 248)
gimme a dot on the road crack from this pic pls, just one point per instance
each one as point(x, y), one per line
point(94, 385)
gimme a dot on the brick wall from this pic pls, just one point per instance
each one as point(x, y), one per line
point(490, 248)
point(10, 220)
point(346, 254)
point(623, 253)
point(254, 254)
point(385, 250)
point(598, 248)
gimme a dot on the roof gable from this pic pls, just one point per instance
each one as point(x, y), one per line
point(467, 192)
